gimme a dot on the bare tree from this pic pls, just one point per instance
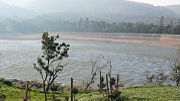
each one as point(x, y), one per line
point(97, 65)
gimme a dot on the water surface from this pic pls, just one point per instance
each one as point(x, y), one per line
point(128, 60)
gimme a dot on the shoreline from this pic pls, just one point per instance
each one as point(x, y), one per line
point(165, 40)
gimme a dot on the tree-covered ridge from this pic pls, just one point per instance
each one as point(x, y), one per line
point(86, 25)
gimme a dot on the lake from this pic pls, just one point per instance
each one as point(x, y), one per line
point(131, 61)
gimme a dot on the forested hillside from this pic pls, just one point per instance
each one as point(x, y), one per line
point(96, 16)
point(86, 25)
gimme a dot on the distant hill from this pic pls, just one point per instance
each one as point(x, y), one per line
point(7, 10)
point(107, 10)
point(174, 8)
point(94, 7)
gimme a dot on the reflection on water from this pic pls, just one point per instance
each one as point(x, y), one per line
point(128, 60)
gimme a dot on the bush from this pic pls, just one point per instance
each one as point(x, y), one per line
point(75, 91)
point(9, 83)
point(112, 81)
point(157, 78)
point(66, 98)
point(54, 87)
point(2, 96)
point(1, 79)
point(115, 95)
point(175, 74)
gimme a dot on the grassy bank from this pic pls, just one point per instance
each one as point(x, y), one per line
point(142, 93)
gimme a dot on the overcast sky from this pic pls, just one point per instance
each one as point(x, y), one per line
point(159, 2)
point(26, 3)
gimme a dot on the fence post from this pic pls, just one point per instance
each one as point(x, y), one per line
point(100, 83)
point(110, 76)
point(71, 89)
point(117, 81)
point(26, 92)
point(107, 86)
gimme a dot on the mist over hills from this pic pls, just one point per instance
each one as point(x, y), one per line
point(94, 7)
point(11, 11)
point(174, 8)
point(39, 15)
point(104, 9)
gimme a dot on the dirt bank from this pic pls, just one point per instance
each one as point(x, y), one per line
point(147, 39)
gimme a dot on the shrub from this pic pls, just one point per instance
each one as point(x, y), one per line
point(155, 79)
point(102, 85)
point(75, 91)
point(9, 83)
point(115, 96)
point(1, 79)
point(54, 87)
point(66, 98)
point(175, 74)
point(112, 81)
point(2, 96)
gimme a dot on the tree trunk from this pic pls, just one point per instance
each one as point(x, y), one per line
point(100, 83)
point(177, 82)
point(44, 86)
point(107, 86)
point(47, 89)
point(89, 83)
point(53, 94)
point(71, 89)
point(87, 86)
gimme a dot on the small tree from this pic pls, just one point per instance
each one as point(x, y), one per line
point(102, 85)
point(175, 73)
point(75, 91)
point(112, 83)
point(49, 65)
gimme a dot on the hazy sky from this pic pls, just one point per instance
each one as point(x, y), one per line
point(159, 2)
point(25, 3)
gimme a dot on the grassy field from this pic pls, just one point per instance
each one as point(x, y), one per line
point(142, 93)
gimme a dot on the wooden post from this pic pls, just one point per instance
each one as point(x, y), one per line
point(71, 89)
point(100, 83)
point(110, 83)
point(110, 76)
point(26, 92)
point(107, 85)
point(110, 67)
point(117, 81)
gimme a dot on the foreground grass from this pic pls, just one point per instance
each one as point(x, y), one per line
point(153, 93)
point(14, 93)
point(143, 93)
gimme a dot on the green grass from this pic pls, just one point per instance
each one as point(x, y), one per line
point(152, 93)
point(143, 93)
point(14, 93)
